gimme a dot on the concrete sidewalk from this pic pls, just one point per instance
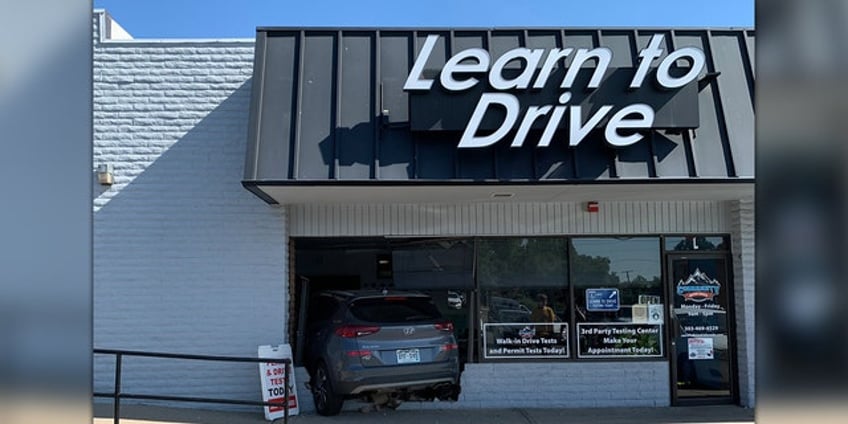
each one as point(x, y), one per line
point(137, 414)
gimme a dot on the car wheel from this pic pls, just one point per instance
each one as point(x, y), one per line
point(327, 402)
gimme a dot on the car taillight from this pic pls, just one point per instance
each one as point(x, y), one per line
point(359, 353)
point(448, 347)
point(444, 326)
point(394, 298)
point(351, 331)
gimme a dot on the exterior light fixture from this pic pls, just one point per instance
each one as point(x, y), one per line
point(384, 266)
point(104, 174)
point(592, 207)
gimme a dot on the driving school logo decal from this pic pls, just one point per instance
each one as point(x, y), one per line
point(527, 332)
point(698, 287)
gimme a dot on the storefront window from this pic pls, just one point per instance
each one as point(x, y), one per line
point(697, 243)
point(443, 269)
point(618, 297)
point(433, 264)
point(523, 297)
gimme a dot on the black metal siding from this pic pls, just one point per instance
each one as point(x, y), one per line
point(328, 105)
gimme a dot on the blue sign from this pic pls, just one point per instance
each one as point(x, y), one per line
point(602, 300)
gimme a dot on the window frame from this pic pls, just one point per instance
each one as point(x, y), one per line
point(479, 289)
point(476, 291)
point(573, 336)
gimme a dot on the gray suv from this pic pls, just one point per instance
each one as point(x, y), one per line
point(380, 346)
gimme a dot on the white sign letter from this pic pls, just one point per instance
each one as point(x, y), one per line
point(698, 61)
point(604, 56)
point(454, 67)
point(510, 102)
point(554, 56)
point(576, 131)
point(414, 81)
point(548, 134)
point(648, 55)
point(645, 120)
point(531, 59)
point(533, 113)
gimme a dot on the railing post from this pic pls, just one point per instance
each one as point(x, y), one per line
point(117, 394)
point(286, 391)
point(117, 404)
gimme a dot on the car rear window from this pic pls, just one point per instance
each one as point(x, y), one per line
point(395, 309)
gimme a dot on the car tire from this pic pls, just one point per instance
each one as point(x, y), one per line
point(327, 401)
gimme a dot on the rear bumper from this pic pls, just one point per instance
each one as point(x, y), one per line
point(410, 377)
point(409, 385)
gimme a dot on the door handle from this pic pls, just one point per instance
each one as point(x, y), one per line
point(675, 327)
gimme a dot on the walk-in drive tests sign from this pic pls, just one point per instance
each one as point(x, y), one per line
point(489, 98)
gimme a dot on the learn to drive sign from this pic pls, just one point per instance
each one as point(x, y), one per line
point(506, 78)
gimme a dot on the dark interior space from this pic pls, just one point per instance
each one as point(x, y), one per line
point(441, 268)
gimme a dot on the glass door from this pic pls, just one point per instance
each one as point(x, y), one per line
point(702, 335)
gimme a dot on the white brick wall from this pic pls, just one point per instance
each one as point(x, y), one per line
point(545, 385)
point(185, 259)
point(568, 385)
point(742, 245)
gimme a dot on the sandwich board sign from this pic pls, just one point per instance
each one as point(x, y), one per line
point(273, 379)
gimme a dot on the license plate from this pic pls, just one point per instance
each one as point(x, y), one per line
point(408, 356)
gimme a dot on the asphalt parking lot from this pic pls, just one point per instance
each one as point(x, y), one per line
point(138, 414)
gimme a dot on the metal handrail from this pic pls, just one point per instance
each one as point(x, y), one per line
point(117, 394)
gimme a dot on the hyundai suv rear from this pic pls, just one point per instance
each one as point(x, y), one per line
point(384, 347)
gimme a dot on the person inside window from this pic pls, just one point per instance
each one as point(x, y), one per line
point(543, 313)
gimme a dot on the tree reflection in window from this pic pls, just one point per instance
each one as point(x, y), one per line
point(631, 265)
point(522, 262)
point(513, 272)
point(524, 297)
